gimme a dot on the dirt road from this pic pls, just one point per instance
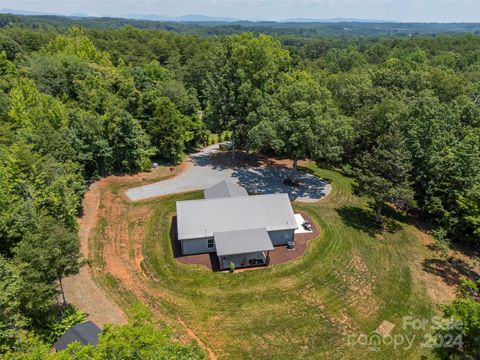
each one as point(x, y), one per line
point(81, 289)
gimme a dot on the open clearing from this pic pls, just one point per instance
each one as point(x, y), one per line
point(258, 175)
point(349, 281)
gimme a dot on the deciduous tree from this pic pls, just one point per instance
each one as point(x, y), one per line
point(245, 69)
point(301, 121)
point(52, 251)
point(383, 173)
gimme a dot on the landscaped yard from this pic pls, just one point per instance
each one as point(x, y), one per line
point(348, 282)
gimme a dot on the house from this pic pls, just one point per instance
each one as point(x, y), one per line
point(85, 333)
point(241, 229)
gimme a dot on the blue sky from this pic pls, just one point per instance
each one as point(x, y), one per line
point(398, 10)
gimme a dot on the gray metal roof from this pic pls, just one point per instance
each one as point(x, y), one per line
point(224, 189)
point(203, 218)
point(85, 333)
point(242, 241)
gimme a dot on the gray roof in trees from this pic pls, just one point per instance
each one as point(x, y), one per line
point(224, 189)
point(202, 218)
point(242, 241)
point(85, 333)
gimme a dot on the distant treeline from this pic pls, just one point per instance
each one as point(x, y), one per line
point(218, 28)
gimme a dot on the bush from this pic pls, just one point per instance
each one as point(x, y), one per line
point(57, 326)
point(442, 244)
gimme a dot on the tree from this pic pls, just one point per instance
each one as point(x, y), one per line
point(374, 120)
point(35, 184)
point(8, 72)
point(300, 121)
point(140, 339)
point(383, 173)
point(16, 212)
point(351, 90)
point(469, 211)
point(77, 44)
point(245, 69)
point(92, 148)
point(166, 130)
point(445, 150)
point(11, 317)
point(464, 316)
point(28, 347)
point(29, 107)
point(56, 74)
point(344, 60)
point(130, 145)
point(24, 304)
point(52, 251)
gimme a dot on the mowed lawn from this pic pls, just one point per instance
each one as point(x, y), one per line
point(348, 282)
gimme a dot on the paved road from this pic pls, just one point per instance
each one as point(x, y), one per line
point(205, 170)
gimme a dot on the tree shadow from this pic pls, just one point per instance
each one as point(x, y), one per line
point(364, 220)
point(392, 219)
point(449, 270)
point(312, 172)
point(259, 174)
point(222, 160)
point(360, 219)
point(270, 180)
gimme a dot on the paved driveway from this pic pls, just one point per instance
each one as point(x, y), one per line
point(208, 167)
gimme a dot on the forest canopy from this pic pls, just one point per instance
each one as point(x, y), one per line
point(401, 115)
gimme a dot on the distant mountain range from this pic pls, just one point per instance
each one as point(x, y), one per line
point(23, 12)
point(336, 20)
point(187, 18)
point(192, 18)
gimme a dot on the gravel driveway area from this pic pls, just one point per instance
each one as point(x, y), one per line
point(208, 167)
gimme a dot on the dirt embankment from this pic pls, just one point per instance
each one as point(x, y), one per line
point(120, 250)
point(442, 276)
point(81, 290)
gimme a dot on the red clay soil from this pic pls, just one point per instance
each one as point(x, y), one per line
point(81, 290)
point(120, 254)
point(279, 255)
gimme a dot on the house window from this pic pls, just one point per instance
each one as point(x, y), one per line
point(210, 243)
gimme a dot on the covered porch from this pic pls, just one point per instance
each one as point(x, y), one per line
point(244, 260)
point(243, 248)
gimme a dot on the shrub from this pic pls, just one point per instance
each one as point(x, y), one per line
point(59, 325)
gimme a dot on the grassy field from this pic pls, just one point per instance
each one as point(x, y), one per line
point(349, 282)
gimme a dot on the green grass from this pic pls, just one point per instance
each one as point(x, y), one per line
point(349, 281)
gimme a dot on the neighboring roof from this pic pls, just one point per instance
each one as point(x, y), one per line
point(85, 333)
point(242, 241)
point(224, 189)
point(203, 218)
